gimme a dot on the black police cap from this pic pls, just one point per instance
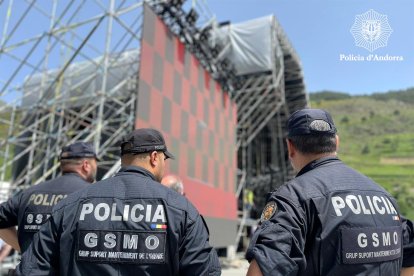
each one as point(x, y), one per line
point(78, 150)
point(144, 140)
point(310, 121)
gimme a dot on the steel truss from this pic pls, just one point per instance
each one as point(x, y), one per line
point(265, 101)
point(91, 96)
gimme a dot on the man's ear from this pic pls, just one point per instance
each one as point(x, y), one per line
point(337, 142)
point(291, 148)
point(86, 166)
point(154, 158)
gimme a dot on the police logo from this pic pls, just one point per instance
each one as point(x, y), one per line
point(371, 30)
point(268, 211)
point(64, 155)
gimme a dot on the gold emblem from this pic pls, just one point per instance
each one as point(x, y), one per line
point(268, 211)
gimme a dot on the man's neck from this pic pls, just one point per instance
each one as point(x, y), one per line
point(307, 158)
point(77, 172)
point(137, 163)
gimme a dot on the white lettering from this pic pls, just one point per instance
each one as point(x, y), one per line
point(114, 217)
point(364, 210)
point(148, 215)
point(351, 255)
point(370, 205)
point(45, 202)
point(39, 218)
point(38, 199)
point(375, 242)
point(130, 241)
point(29, 218)
point(134, 218)
point(136, 213)
point(110, 240)
point(91, 240)
point(105, 215)
point(355, 208)
point(86, 209)
point(126, 212)
point(338, 204)
point(362, 240)
point(159, 214)
point(358, 204)
point(392, 209)
point(152, 242)
point(58, 198)
point(32, 197)
point(83, 253)
point(395, 236)
point(386, 239)
point(351, 57)
point(375, 200)
point(386, 205)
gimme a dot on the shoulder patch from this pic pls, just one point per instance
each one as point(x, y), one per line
point(268, 211)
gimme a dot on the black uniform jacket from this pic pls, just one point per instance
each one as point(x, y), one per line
point(331, 220)
point(125, 225)
point(31, 208)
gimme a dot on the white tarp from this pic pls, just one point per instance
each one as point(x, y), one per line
point(248, 45)
point(82, 80)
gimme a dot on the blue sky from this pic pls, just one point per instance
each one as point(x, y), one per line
point(320, 31)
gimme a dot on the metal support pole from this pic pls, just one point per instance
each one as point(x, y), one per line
point(100, 114)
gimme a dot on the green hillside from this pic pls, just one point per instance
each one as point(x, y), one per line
point(377, 138)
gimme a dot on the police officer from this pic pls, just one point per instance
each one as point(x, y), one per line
point(173, 182)
point(129, 224)
point(32, 207)
point(330, 219)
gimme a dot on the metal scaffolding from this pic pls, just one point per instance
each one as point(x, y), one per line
point(265, 100)
point(89, 96)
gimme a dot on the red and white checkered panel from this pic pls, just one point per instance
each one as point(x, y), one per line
point(198, 120)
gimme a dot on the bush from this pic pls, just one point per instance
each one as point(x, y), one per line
point(404, 197)
point(365, 149)
point(345, 120)
point(386, 141)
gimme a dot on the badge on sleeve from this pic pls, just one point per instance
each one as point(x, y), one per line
point(268, 211)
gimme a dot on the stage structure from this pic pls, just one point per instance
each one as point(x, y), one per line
point(266, 82)
point(68, 72)
point(94, 70)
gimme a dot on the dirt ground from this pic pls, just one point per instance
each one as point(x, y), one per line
point(237, 267)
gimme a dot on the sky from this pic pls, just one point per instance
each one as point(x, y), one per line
point(319, 30)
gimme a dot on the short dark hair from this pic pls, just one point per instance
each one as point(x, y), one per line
point(68, 162)
point(70, 165)
point(314, 144)
point(67, 165)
